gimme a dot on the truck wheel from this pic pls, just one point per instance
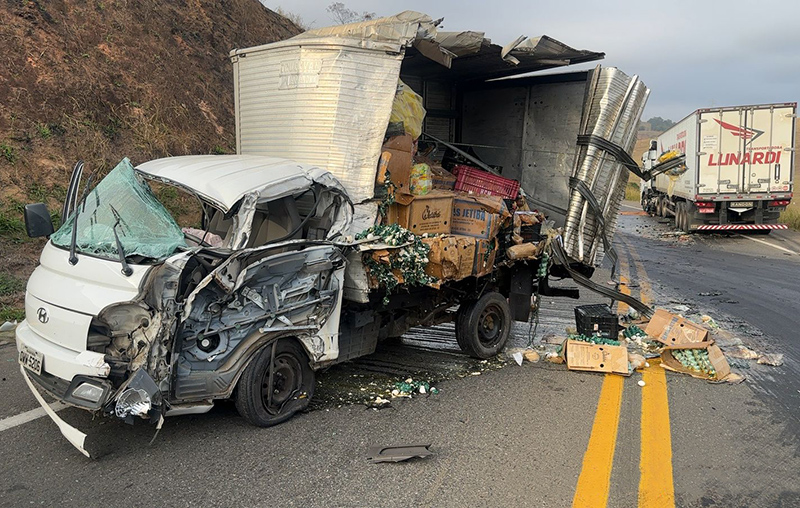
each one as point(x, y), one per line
point(644, 202)
point(482, 327)
point(291, 380)
point(660, 208)
point(681, 216)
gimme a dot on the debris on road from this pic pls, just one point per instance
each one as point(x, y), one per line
point(671, 329)
point(409, 386)
point(531, 356)
point(379, 403)
point(702, 360)
point(636, 361)
point(774, 359)
point(378, 454)
point(708, 320)
point(640, 383)
point(743, 353)
point(597, 355)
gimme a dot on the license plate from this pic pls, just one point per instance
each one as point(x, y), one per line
point(741, 204)
point(31, 359)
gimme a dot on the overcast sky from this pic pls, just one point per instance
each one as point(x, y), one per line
point(691, 54)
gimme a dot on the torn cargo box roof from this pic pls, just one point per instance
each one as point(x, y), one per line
point(224, 179)
point(334, 87)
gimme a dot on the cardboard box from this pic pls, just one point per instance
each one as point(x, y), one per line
point(442, 179)
point(477, 216)
point(715, 356)
point(451, 257)
point(485, 252)
point(400, 149)
point(595, 357)
point(672, 330)
point(430, 213)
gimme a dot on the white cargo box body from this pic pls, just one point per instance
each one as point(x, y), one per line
point(325, 102)
point(731, 153)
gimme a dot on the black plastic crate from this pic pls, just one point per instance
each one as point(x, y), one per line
point(597, 319)
point(531, 233)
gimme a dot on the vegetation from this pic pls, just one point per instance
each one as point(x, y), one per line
point(791, 216)
point(43, 130)
point(342, 15)
point(659, 124)
point(11, 313)
point(10, 284)
point(294, 18)
point(632, 192)
point(8, 153)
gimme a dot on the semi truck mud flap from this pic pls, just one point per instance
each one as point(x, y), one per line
point(561, 256)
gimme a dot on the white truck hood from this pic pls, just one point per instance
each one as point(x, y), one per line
point(61, 298)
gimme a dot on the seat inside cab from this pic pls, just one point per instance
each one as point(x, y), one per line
point(275, 220)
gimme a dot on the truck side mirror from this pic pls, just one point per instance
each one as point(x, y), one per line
point(37, 220)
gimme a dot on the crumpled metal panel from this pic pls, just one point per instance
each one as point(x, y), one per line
point(326, 103)
point(224, 179)
point(615, 103)
point(403, 28)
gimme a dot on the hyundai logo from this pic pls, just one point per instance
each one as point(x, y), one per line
point(42, 315)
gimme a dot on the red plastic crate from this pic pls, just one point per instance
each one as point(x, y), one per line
point(477, 181)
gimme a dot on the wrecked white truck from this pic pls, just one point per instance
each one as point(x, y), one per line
point(132, 315)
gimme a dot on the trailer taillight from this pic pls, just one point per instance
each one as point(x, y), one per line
point(780, 202)
point(705, 207)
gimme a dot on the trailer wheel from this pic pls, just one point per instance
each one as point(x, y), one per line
point(681, 216)
point(277, 384)
point(483, 326)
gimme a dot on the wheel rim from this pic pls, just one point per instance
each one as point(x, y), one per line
point(490, 326)
point(287, 380)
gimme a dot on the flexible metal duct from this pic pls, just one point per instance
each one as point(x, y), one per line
point(615, 102)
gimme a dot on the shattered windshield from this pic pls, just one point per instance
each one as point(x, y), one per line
point(123, 202)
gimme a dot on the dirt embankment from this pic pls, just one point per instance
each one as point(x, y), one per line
point(101, 80)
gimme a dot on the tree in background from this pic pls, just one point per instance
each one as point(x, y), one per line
point(293, 17)
point(342, 15)
point(659, 124)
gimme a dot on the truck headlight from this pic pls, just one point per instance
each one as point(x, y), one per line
point(133, 401)
point(88, 392)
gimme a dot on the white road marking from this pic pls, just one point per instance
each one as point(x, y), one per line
point(28, 416)
point(767, 243)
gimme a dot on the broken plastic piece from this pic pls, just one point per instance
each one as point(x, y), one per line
point(397, 453)
point(774, 359)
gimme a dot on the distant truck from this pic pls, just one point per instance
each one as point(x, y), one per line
point(738, 173)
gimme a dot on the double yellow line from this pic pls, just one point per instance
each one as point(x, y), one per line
point(655, 461)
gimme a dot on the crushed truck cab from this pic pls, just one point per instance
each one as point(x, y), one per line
point(177, 330)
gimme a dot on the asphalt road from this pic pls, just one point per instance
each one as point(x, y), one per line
point(750, 283)
point(502, 435)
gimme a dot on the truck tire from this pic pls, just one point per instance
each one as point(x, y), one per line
point(483, 326)
point(292, 384)
point(681, 217)
point(661, 207)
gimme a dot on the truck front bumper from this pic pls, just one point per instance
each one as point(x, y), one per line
point(62, 372)
point(73, 435)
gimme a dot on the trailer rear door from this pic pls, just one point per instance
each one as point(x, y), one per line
point(745, 150)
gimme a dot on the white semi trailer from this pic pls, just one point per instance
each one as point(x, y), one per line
point(738, 173)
